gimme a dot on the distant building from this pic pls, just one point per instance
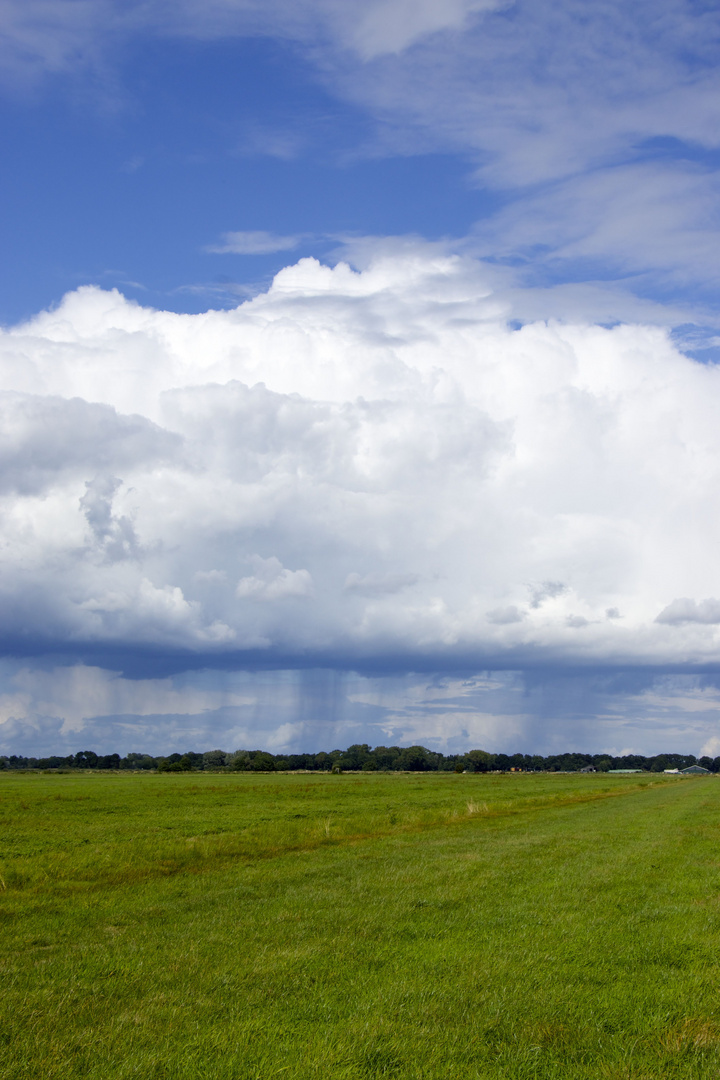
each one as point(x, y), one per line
point(624, 770)
point(694, 770)
point(588, 768)
point(675, 771)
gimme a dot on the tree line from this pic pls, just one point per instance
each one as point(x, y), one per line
point(359, 757)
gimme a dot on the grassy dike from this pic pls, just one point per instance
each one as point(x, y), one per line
point(412, 926)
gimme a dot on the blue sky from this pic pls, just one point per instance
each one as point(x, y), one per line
point(358, 374)
point(190, 141)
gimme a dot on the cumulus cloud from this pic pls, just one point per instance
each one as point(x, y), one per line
point(45, 439)
point(690, 611)
point(547, 590)
point(115, 536)
point(378, 584)
point(272, 581)
point(357, 467)
point(510, 614)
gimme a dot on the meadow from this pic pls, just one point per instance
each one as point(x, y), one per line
point(437, 926)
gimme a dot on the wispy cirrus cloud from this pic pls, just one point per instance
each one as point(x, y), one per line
point(594, 126)
point(658, 223)
point(63, 36)
point(253, 242)
point(542, 91)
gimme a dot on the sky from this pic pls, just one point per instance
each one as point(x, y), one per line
point(359, 375)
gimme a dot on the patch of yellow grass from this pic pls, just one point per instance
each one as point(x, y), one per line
point(697, 1033)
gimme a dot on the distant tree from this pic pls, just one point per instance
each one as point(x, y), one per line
point(169, 764)
point(355, 756)
point(416, 759)
point(359, 756)
point(447, 762)
point(138, 761)
point(213, 759)
point(175, 763)
point(632, 761)
point(85, 759)
point(55, 761)
point(300, 761)
point(261, 761)
point(108, 761)
point(667, 761)
point(386, 756)
point(480, 760)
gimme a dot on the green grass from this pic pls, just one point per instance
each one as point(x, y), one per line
point(437, 926)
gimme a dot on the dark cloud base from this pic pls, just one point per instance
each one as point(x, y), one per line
point(538, 666)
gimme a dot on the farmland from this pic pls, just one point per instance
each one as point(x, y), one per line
point(374, 925)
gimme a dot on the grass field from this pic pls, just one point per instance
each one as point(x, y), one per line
point(356, 926)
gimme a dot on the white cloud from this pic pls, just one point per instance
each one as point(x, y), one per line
point(712, 747)
point(690, 611)
point(272, 581)
point(376, 584)
point(547, 590)
point(357, 464)
point(46, 438)
point(253, 243)
point(510, 614)
point(114, 536)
